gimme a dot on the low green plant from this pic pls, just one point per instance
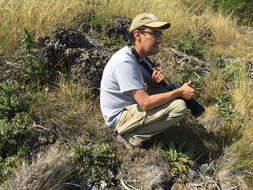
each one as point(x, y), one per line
point(15, 125)
point(188, 44)
point(243, 9)
point(176, 158)
point(230, 72)
point(97, 163)
point(15, 141)
point(13, 99)
point(34, 71)
point(109, 42)
point(232, 119)
point(98, 21)
point(27, 42)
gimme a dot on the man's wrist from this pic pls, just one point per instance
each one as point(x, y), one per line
point(178, 92)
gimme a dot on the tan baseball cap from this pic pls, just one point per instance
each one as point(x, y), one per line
point(149, 20)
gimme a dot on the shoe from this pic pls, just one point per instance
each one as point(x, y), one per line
point(177, 186)
point(122, 141)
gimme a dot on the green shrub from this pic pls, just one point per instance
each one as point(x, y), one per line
point(188, 44)
point(176, 158)
point(98, 21)
point(195, 45)
point(109, 42)
point(27, 42)
point(15, 141)
point(34, 71)
point(15, 125)
point(243, 9)
point(99, 162)
point(13, 99)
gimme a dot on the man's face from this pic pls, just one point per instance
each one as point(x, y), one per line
point(150, 40)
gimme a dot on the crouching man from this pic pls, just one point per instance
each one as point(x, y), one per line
point(135, 113)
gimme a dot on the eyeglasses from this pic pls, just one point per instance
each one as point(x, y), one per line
point(156, 34)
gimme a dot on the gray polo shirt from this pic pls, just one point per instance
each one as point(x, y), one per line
point(121, 74)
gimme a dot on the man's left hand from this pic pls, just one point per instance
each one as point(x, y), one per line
point(157, 76)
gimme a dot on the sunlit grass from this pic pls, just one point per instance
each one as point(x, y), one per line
point(231, 41)
point(39, 17)
point(69, 106)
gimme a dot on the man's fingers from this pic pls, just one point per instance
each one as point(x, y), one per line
point(157, 76)
point(189, 82)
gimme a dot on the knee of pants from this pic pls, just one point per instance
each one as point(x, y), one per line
point(178, 108)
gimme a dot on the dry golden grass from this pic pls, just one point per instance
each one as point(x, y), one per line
point(231, 40)
point(50, 170)
point(68, 106)
point(39, 17)
point(243, 98)
point(174, 11)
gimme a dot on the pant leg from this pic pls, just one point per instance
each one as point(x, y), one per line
point(137, 125)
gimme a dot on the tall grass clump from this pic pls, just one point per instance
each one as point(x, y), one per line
point(174, 11)
point(67, 107)
point(229, 40)
point(243, 9)
point(39, 17)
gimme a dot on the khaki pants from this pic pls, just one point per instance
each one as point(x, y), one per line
point(137, 125)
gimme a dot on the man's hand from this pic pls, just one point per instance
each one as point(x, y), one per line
point(157, 76)
point(187, 91)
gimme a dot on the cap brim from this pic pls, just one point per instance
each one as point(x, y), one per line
point(162, 25)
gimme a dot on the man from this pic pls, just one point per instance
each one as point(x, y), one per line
point(136, 114)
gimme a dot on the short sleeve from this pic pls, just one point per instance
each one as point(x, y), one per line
point(129, 76)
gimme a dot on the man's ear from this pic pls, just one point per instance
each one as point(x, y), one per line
point(137, 35)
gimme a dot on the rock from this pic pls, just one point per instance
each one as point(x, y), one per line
point(148, 176)
point(7, 70)
point(118, 27)
point(101, 186)
point(171, 61)
point(204, 32)
point(177, 186)
point(249, 69)
point(82, 57)
point(212, 123)
point(88, 68)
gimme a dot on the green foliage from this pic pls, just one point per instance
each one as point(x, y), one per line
point(15, 125)
point(15, 141)
point(98, 21)
point(98, 163)
point(240, 8)
point(34, 71)
point(13, 99)
point(27, 42)
point(188, 44)
point(109, 42)
point(225, 107)
point(195, 44)
point(176, 158)
point(231, 72)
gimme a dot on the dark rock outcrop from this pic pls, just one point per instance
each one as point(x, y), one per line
point(118, 28)
point(75, 53)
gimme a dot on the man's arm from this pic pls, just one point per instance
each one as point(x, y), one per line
point(147, 102)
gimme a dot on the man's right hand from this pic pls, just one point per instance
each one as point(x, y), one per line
point(187, 91)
